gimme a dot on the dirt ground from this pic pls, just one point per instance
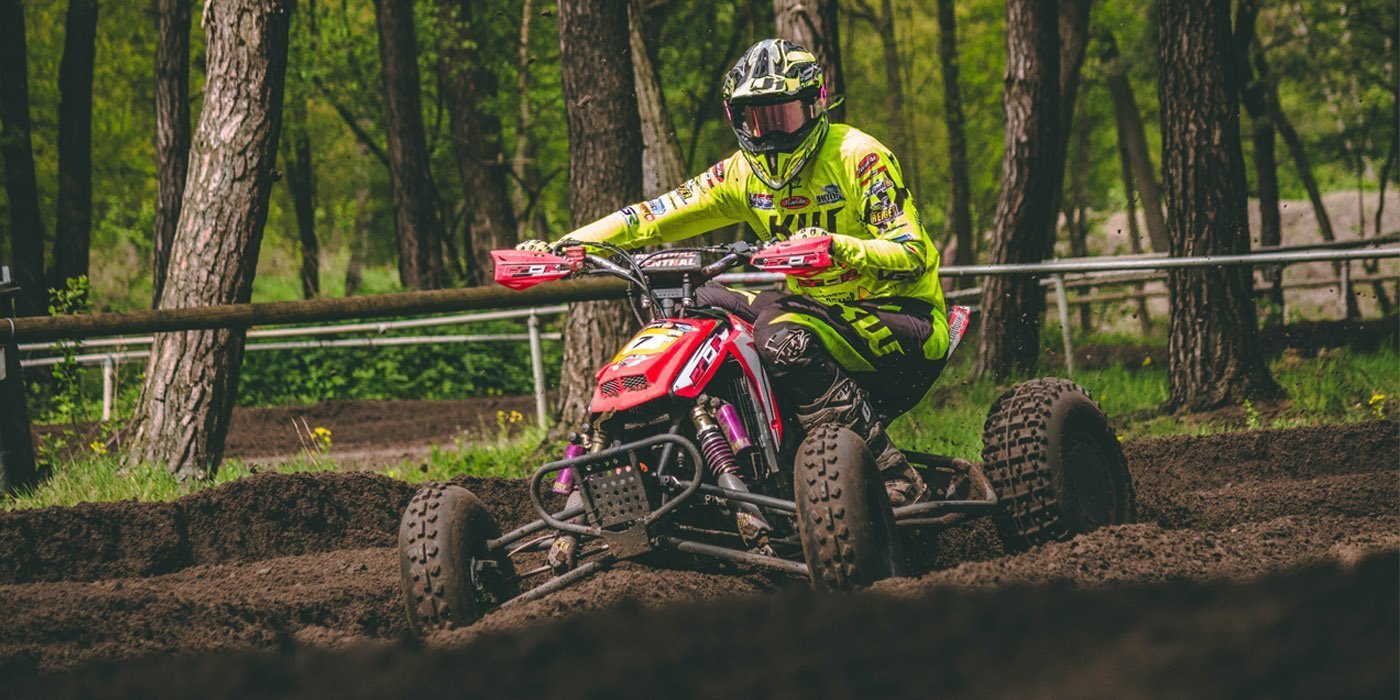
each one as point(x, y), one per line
point(370, 432)
point(287, 586)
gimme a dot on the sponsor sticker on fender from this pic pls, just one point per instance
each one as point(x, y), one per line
point(796, 201)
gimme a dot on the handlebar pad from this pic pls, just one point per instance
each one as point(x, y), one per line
point(522, 269)
point(803, 257)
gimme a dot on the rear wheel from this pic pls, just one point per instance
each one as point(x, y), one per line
point(449, 577)
point(1056, 464)
point(843, 516)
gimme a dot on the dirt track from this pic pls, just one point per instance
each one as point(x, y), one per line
point(276, 560)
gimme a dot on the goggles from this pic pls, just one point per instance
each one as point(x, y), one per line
point(763, 120)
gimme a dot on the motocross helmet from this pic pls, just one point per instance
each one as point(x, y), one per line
point(775, 98)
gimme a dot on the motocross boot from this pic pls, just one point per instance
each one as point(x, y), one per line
point(846, 404)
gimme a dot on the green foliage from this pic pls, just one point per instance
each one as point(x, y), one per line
point(1324, 58)
point(1339, 386)
point(434, 371)
point(73, 298)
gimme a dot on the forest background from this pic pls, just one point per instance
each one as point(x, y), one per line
point(1333, 62)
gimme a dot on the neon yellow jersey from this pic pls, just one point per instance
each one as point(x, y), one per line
point(853, 189)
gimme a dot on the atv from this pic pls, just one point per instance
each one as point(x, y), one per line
point(689, 452)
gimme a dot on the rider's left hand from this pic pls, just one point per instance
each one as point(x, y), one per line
point(809, 232)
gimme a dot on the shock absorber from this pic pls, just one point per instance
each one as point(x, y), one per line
point(719, 455)
point(565, 481)
point(714, 446)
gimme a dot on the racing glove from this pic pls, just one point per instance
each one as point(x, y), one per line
point(533, 244)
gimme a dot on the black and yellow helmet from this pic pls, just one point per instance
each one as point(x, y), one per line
point(776, 101)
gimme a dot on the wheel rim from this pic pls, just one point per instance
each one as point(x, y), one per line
point(1089, 480)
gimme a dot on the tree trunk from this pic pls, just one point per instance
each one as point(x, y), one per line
point(959, 216)
point(1012, 307)
point(16, 146)
point(812, 23)
point(415, 217)
point(604, 171)
point(1133, 137)
point(1134, 235)
point(884, 24)
point(530, 222)
point(1079, 204)
point(359, 233)
point(1073, 29)
point(172, 131)
point(476, 137)
point(301, 179)
point(1254, 97)
point(1299, 153)
point(1387, 167)
point(661, 151)
point(192, 378)
point(73, 225)
point(1214, 353)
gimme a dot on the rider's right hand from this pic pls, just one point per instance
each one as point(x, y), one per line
point(534, 244)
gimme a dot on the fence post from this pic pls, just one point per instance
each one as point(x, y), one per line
point(1063, 303)
point(109, 367)
point(537, 367)
point(1344, 286)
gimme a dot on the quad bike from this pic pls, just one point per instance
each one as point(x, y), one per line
point(689, 452)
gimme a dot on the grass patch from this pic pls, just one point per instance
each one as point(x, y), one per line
point(1335, 387)
point(101, 478)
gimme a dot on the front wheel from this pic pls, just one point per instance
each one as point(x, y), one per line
point(450, 579)
point(843, 516)
point(1056, 464)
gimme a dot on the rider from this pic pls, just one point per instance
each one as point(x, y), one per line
point(860, 342)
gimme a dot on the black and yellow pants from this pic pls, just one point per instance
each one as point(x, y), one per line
point(892, 347)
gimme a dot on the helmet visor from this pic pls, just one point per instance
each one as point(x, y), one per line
point(765, 120)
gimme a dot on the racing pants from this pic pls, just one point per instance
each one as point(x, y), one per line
point(859, 363)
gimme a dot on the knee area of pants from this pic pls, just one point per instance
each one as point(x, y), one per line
point(784, 346)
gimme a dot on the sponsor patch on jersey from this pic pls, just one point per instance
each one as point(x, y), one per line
point(796, 201)
point(867, 162)
point(657, 206)
point(761, 201)
point(718, 171)
point(902, 238)
point(875, 177)
point(884, 213)
point(831, 194)
point(630, 215)
point(686, 191)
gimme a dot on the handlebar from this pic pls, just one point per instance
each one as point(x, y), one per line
point(519, 269)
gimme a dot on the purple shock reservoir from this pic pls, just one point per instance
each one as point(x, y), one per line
point(733, 426)
point(564, 482)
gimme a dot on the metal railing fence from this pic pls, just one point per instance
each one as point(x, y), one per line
point(1080, 272)
point(111, 360)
